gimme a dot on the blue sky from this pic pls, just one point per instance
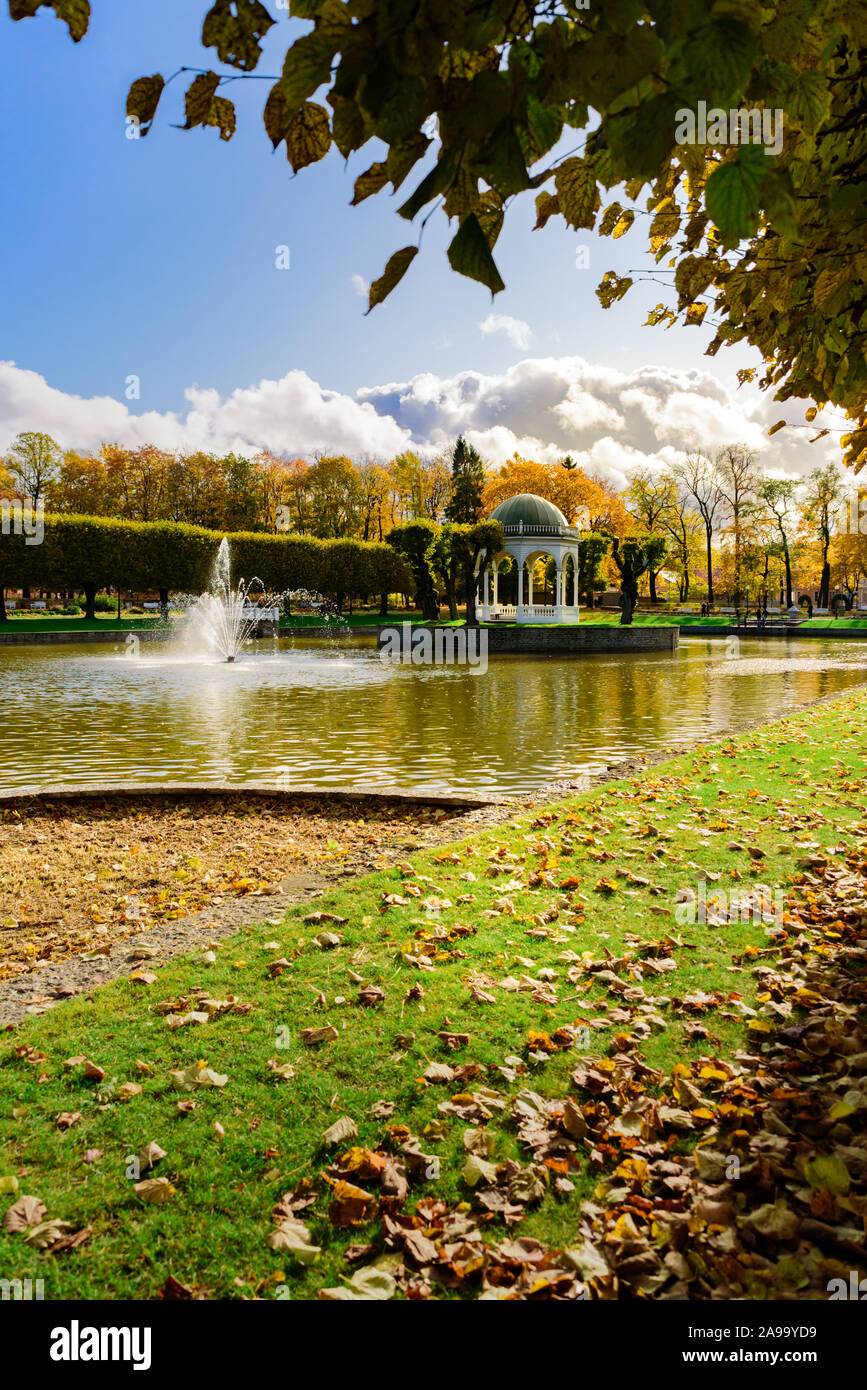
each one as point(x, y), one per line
point(156, 257)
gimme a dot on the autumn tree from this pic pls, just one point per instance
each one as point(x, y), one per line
point(650, 497)
point(437, 485)
point(238, 473)
point(82, 486)
point(583, 500)
point(334, 488)
point(778, 496)
point(697, 476)
point(592, 552)
point(683, 530)
point(818, 516)
point(34, 461)
point(737, 478)
point(374, 499)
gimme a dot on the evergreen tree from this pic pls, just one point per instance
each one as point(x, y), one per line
point(468, 479)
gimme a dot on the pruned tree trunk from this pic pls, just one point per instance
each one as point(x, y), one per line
point(825, 585)
point(788, 576)
point(629, 598)
point(470, 584)
point(89, 598)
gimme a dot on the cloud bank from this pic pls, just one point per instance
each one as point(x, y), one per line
point(610, 421)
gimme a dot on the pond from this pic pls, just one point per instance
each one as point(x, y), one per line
point(304, 713)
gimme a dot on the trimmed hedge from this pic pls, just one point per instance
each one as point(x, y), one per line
point(90, 553)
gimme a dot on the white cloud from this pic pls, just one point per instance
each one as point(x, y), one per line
point(361, 286)
point(517, 331)
point(293, 415)
point(611, 421)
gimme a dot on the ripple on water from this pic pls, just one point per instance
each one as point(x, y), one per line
point(325, 717)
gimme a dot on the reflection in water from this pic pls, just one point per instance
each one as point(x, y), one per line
point(295, 713)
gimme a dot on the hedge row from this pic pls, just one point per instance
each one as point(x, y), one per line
point(91, 553)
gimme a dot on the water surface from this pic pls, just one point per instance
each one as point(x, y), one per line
point(335, 715)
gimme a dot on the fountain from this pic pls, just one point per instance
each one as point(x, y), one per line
point(217, 622)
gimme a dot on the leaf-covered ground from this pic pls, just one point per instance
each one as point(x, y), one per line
point(79, 876)
point(522, 1068)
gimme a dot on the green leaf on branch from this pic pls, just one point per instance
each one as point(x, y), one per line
point(307, 66)
point(719, 58)
point(432, 184)
point(491, 214)
point(236, 35)
point(200, 99)
point(143, 100)
point(222, 115)
point(469, 254)
point(547, 206)
point(612, 287)
point(404, 156)
point(641, 141)
point(732, 193)
point(348, 124)
point(501, 162)
point(397, 266)
point(371, 181)
point(577, 194)
point(277, 115)
point(74, 13)
point(308, 136)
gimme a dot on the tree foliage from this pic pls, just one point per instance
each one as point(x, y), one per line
point(633, 557)
point(468, 481)
point(478, 101)
point(90, 553)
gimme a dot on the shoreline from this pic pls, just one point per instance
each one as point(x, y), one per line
point(69, 636)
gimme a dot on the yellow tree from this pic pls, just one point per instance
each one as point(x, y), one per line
point(279, 482)
point(138, 479)
point(377, 512)
point(83, 486)
point(336, 496)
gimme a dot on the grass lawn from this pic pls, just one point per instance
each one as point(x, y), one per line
point(35, 623)
point(352, 620)
point(612, 618)
point(833, 625)
point(600, 618)
point(567, 919)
